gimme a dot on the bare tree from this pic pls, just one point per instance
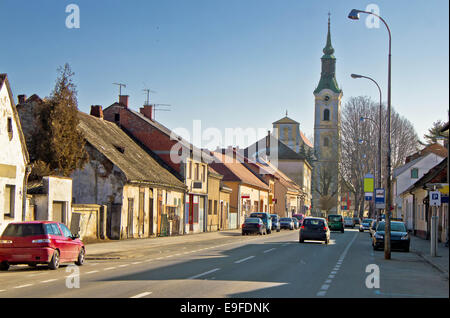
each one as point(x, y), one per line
point(359, 143)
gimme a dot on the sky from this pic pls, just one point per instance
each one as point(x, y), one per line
point(229, 63)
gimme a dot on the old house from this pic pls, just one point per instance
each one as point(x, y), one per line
point(13, 159)
point(218, 201)
point(419, 195)
point(180, 155)
point(292, 164)
point(143, 198)
point(249, 193)
point(405, 176)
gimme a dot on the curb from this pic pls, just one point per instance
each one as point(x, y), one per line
point(443, 271)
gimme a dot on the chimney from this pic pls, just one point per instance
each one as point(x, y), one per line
point(123, 99)
point(97, 111)
point(22, 98)
point(147, 111)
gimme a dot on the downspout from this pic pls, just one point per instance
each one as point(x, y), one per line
point(25, 191)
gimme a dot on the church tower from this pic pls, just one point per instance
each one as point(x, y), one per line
point(328, 95)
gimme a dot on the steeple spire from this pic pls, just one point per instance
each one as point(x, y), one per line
point(328, 50)
point(328, 76)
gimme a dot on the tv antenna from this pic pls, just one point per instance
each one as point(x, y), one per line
point(160, 109)
point(148, 91)
point(120, 87)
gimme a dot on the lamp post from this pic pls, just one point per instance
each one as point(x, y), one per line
point(379, 130)
point(354, 15)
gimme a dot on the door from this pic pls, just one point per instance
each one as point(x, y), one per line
point(130, 218)
point(59, 211)
point(150, 218)
point(141, 214)
point(69, 247)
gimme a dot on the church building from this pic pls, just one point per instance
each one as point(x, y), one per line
point(327, 118)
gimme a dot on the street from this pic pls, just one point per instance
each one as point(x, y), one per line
point(230, 265)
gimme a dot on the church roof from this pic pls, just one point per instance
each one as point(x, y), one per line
point(286, 120)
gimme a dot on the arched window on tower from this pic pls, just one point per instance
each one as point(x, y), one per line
point(326, 115)
point(326, 142)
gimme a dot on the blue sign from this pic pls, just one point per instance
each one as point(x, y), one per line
point(380, 198)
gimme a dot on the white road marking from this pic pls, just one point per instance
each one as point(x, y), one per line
point(92, 272)
point(109, 268)
point(135, 263)
point(321, 293)
point(203, 274)
point(244, 259)
point(48, 280)
point(124, 265)
point(23, 286)
point(141, 295)
point(325, 287)
point(269, 250)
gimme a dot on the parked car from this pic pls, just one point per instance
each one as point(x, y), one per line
point(356, 220)
point(275, 222)
point(365, 225)
point(40, 242)
point(254, 225)
point(287, 223)
point(265, 217)
point(399, 236)
point(348, 222)
point(314, 229)
point(296, 223)
point(336, 222)
point(299, 217)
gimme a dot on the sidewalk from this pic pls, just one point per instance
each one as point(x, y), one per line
point(423, 249)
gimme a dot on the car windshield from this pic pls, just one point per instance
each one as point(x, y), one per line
point(286, 219)
point(252, 220)
point(395, 227)
point(23, 230)
point(334, 218)
point(314, 222)
point(367, 221)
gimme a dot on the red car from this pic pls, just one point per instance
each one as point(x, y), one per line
point(40, 242)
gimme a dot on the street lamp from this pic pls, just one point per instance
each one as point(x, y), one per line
point(354, 15)
point(379, 129)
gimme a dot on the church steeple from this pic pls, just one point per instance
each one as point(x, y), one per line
point(328, 75)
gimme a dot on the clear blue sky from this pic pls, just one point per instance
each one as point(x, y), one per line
point(229, 63)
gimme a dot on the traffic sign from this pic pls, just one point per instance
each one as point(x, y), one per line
point(368, 196)
point(380, 198)
point(368, 182)
point(435, 198)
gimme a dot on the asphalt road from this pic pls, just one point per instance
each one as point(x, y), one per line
point(234, 266)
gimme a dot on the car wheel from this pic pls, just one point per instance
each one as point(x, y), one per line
point(327, 241)
point(278, 230)
point(32, 265)
point(81, 256)
point(54, 263)
point(269, 232)
point(4, 266)
point(342, 231)
point(301, 241)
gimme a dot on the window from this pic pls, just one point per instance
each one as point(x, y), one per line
point(414, 173)
point(326, 115)
point(10, 195)
point(53, 229)
point(204, 173)
point(215, 207)
point(197, 171)
point(189, 174)
point(209, 207)
point(326, 142)
point(66, 232)
point(117, 117)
